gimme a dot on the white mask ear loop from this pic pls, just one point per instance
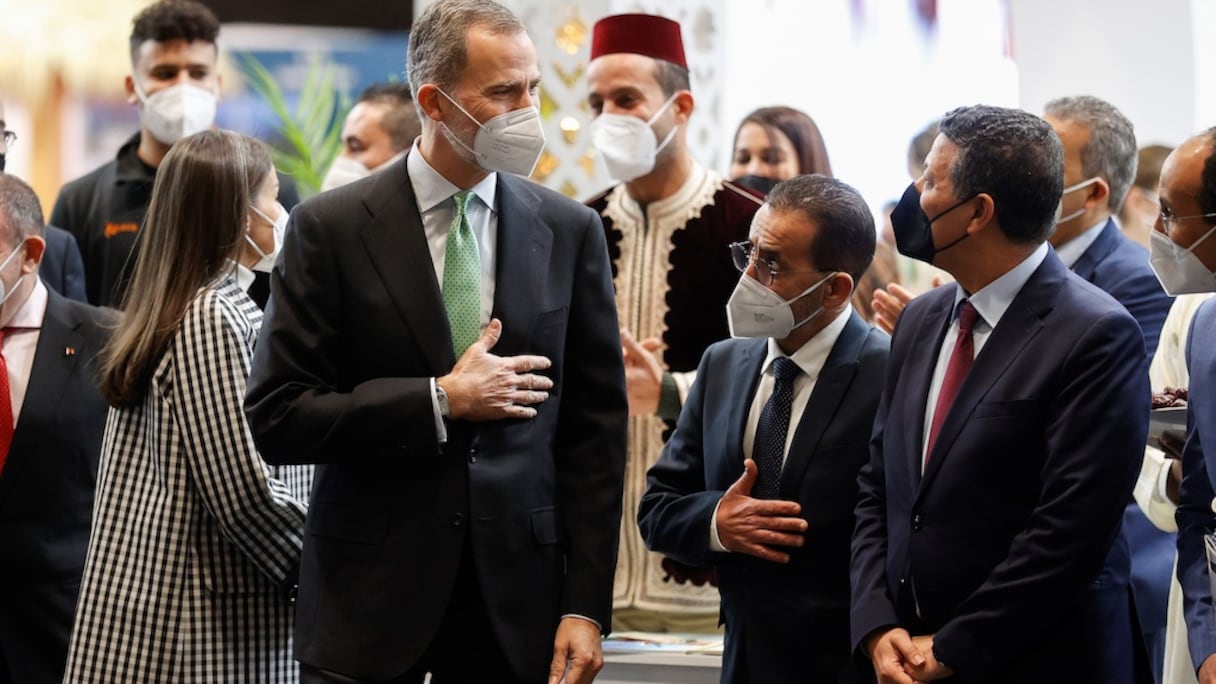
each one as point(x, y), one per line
point(670, 134)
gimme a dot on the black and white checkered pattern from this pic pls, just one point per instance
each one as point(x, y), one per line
point(192, 536)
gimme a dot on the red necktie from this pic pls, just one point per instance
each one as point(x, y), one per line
point(6, 406)
point(960, 362)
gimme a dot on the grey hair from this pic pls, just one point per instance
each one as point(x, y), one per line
point(1111, 150)
point(20, 211)
point(438, 50)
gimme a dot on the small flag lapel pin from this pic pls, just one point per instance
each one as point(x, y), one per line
point(69, 351)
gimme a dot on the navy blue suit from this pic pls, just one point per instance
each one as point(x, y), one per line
point(784, 623)
point(993, 548)
point(1144, 555)
point(62, 269)
point(1195, 517)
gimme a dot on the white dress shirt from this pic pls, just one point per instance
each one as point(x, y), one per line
point(434, 194)
point(20, 344)
point(991, 303)
point(1070, 252)
point(810, 358)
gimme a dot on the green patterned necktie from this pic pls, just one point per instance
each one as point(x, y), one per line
point(462, 278)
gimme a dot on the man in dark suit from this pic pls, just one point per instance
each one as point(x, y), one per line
point(465, 515)
point(1010, 431)
point(48, 451)
point(777, 525)
point(1184, 255)
point(62, 268)
point(1099, 167)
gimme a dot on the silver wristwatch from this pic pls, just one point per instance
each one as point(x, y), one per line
point(441, 398)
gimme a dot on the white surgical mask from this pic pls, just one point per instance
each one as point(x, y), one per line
point(753, 310)
point(6, 292)
point(176, 112)
point(510, 142)
point(1072, 188)
point(266, 263)
point(1177, 268)
point(346, 170)
point(627, 144)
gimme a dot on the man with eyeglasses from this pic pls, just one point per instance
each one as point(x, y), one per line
point(759, 479)
point(1184, 257)
point(62, 269)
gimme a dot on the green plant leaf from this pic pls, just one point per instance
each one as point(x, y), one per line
point(312, 133)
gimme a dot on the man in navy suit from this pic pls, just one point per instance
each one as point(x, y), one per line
point(48, 457)
point(1010, 431)
point(1099, 167)
point(1184, 254)
point(442, 339)
point(776, 523)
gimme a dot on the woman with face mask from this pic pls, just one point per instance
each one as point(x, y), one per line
point(263, 236)
point(773, 144)
point(195, 541)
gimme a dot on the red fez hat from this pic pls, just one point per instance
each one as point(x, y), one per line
point(641, 34)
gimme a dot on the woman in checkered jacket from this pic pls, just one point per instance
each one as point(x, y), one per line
point(195, 543)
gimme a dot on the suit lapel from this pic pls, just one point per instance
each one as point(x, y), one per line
point(746, 370)
point(524, 244)
point(930, 332)
point(1021, 322)
point(396, 244)
point(1107, 241)
point(49, 377)
point(833, 381)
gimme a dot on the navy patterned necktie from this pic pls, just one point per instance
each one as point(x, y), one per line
point(772, 428)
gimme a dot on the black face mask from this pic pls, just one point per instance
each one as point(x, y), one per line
point(914, 230)
point(761, 184)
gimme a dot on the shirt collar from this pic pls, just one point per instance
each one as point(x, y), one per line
point(242, 274)
point(1070, 252)
point(992, 300)
point(431, 189)
point(31, 313)
point(811, 356)
point(129, 166)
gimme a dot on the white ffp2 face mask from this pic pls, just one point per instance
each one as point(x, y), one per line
point(266, 262)
point(753, 310)
point(627, 144)
point(345, 171)
point(1177, 268)
point(176, 112)
point(510, 142)
point(1060, 218)
point(5, 291)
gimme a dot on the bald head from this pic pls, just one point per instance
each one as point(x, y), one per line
point(1188, 196)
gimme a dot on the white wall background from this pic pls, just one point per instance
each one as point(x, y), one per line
point(871, 77)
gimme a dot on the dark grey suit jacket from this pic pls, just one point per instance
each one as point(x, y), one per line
point(354, 331)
